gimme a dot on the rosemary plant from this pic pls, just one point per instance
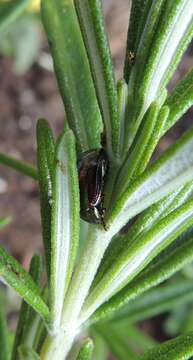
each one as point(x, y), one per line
point(100, 281)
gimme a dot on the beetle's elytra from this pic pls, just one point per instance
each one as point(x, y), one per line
point(92, 168)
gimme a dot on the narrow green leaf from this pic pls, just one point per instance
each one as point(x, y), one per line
point(26, 312)
point(19, 166)
point(167, 174)
point(180, 50)
point(4, 221)
point(73, 72)
point(100, 346)
point(160, 210)
point(86, 350)
point(180, 100)
point(65, 223)
point(172, 35)
point(135, 257)
point(96, 243)
point(154, 139)
point(143, 223)
point(96, 42)
point(158, 300)
point(136, 338)
point(4, 345)
point(142, 340)
point(146, 40)
point(118, 345)
point(138, 16)
point(122, 98)
point(13, 274)
point(180, 348)
point(40, 335)
point(10, 11)
point(26, 353)
point(122, 94)
point(45, 162)
point(172, 170)
point(155, 274)
point(140, 147)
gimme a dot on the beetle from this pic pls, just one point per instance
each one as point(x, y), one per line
point(92, 169)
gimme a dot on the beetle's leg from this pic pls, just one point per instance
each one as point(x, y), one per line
point(102, 215)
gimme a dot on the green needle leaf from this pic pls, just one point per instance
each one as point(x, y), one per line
point(180, 348)
point(10, 11)
point(139, 339)
point(154, 139)
point(4, 221)
point(92, 24)
point(118, 345)
point(20, 166)
point(45, 162)
point(26, 353)
point(100, 345)
point(65, 223)
point(146, 33)
point(173, 33)
point(13, 274)
point(156, 301)
point(73, 72)
point(122, 95)
point(135, 257)
point(180, 100)
point(86, 350)
point(172, 170)
point(138, 16)
point(152, 11)
point(161, 269)
point(140, 147)
point(26, 313)
point(143, 223)
point(4, 344)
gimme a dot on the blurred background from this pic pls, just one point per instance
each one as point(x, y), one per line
point(28, 91)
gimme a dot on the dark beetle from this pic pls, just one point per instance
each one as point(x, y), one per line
point(92, 168)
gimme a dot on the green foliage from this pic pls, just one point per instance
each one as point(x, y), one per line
point(14, 275)
point(158, 300)
point(23, 335)
point(173, 260)
point(97, 275)
point(180, 100)
point(26, 353)
point(86, 350)
point(73, 72)
point(21, 42)
point(100, 346)
point(18, 165)
point(45, 163)
point(91, 21)
point(124, 340)
point(9, 11)
point(3, 334)
point(64, 222)
point(118, 345)
point(4, 221)
point(180, 348)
